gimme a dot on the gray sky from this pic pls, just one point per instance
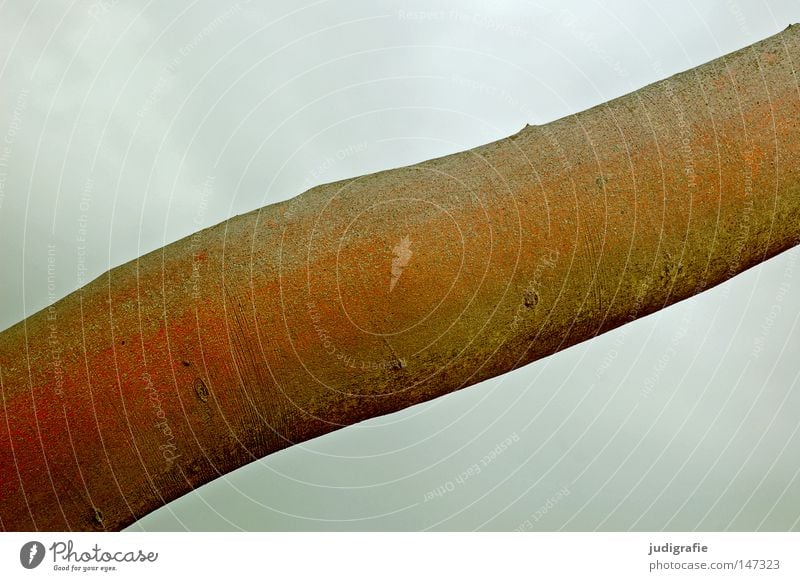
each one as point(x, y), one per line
point(130, 125)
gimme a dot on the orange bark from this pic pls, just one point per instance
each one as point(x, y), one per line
point(365, 296)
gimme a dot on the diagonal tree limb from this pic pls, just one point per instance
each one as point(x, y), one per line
point(365, 296)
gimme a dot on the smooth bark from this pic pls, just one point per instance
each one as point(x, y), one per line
point(365, 296)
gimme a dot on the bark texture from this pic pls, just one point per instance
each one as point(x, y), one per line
point(365, 296)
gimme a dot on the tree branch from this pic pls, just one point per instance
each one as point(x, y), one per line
point(365, 296)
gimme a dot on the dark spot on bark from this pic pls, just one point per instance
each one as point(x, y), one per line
point(201, 389)
point(123, 341)
point(185, 363)
point(530, 299)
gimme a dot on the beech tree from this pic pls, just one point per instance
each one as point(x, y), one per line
point(364, 296)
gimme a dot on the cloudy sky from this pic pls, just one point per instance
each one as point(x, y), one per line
point(128, 125)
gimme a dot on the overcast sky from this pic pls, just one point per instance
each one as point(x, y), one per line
point(130, 125)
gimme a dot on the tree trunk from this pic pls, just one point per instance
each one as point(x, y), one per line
point(365, 296)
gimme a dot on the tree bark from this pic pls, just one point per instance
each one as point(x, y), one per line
point(362, 297)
